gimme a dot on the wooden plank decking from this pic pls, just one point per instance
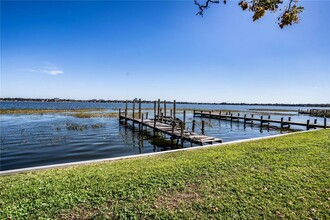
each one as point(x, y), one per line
point(173, 131)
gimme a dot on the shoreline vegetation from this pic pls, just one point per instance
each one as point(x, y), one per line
point(45, 111)
point(283, 177)
point(148, 101)
point(102, 112)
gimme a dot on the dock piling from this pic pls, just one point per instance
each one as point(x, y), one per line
point(184, 118)
point(203, 124)
point(139, 108)
point(174, 109)
point(182, 129)
point(142, 123)
point(133, 111)
point(158, 108)
point(307, 125)
point(126, 116)
point(193, 126)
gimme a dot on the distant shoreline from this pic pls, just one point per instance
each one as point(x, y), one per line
point(148, 101)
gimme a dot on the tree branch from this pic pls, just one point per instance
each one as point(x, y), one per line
point(206, 6)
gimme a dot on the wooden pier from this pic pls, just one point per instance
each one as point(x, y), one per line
point(169, 125)
point(283, 123)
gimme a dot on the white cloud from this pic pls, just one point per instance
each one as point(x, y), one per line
point(50, 70)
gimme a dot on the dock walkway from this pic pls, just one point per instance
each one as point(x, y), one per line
point(169, 125)
point(173, 131)
point(261, 120)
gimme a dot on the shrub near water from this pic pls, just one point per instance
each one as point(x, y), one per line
point(285, 177)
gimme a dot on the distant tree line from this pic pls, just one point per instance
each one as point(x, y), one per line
point(148, 101)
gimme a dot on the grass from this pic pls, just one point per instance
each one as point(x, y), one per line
point(46, 111)
point(321, 114)
point(285, 177)
point(71, 126)
point(96, 115)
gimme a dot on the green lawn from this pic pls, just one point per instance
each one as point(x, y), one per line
point(285, 177)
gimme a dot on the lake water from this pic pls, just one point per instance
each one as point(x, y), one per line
point(35, 140)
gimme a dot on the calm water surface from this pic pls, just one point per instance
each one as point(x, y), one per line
point(34, 140)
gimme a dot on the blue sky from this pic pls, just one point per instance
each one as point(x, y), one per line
point(161, 49)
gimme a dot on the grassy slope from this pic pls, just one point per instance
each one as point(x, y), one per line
point(286, 177)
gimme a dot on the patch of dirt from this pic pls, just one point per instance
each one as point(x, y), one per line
point(173, 200)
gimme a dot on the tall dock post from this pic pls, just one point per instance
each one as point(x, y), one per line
point(184, 119)
point(139, 108)
point(193, 125)
point(154, 118)
point(158, 108)
point(165, 108)
point(171, 113)
point(282, 122)
point(133, 111)
point(126, 112)
point(261, 120)
point(119, 113)
point(325, 122)
point(174, 109)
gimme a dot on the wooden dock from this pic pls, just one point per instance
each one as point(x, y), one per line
point(245, 119)
point(169, 125)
